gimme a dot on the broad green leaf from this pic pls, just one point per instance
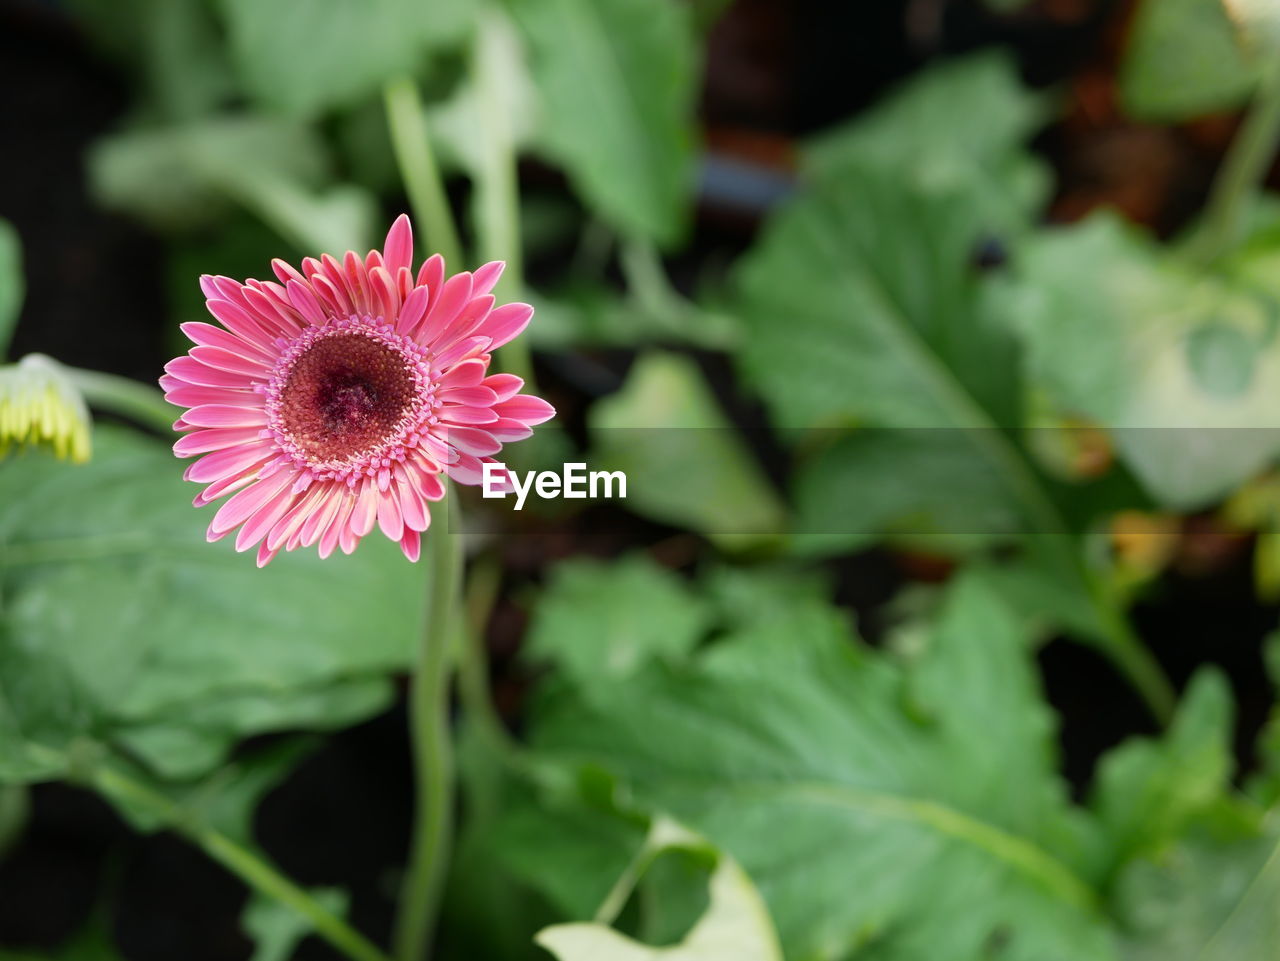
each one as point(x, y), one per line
point(182, 177)
point(1148, 791)
point(120, 620)
point(887, 325)
point(868, 799)
point(1183, 367)
point(304, 56)
point(685, 463)
point(1184, 59)
point(961, 125)
point(12, 283)
point(920, 487)
point(1210, 900)
point(617, 81)
point(174, 48)
point(597, 621)
point(735, 927)
point(276, 929)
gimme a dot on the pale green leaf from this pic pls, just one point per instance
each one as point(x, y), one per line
point(304, 56)
point(120, 619)
point(1209, 900)
point(685, 463)
point(1147, 792)
point(617, 81)
point(735, 927)
point(182, 177)
point(597, 621)
point(1184, 59)
point(276, 929)
point(869, 800)
point(1182, 366)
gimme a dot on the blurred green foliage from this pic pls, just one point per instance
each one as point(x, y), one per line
point(906, 324)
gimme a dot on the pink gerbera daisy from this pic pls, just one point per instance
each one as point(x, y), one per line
point(333, 400)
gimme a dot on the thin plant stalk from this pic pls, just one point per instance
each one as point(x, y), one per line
point(419, 170)
point(429, 853)
point(239, 860)
point(1246, 164)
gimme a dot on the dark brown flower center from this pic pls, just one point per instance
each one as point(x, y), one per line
point(345, 395)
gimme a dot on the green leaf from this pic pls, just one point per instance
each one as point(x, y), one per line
point(1210, 900)
point(686, 465)
point(304, 56)
point(1147, 792)
point(882, 308)
point(735, 927)
point(175, 47)
point(12, 283)
point(1181, 366)
point(181, 178)
point(597, 621)
point(961, 125)
point(277, 929)
point(617, 80)
point(1264, 786)
point(1184, 59)
point(120, 621)
point(869, 799)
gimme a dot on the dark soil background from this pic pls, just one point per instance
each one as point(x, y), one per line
point(776, 70)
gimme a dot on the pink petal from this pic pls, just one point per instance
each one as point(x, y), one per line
point(469, 396)
point(411, 544)
point(230, 361)
point(472, 440)
point(455, 295)
point(506, 322)
point(413, 310)
point(389, 517)
point(191, 395)
point(225, 463)
point(431, 275)
point(208, 335)
point(527, 408)
point(223, 415)
point(261, 521)
point(397, 251)
point(475, 416)
point(486, 277)
point(304, 301)
point(215, 438)
point(286, 272)
point(193, 371)
point(244, 503)
point(382, 292)
point(462, 349)
point(469, 373)
point(504, 385)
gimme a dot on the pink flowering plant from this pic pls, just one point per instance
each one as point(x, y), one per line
point(342, 396)
point(895, 577)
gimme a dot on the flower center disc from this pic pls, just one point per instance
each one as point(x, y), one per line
point(345, 395)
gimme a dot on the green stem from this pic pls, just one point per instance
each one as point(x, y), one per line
point(419, 170)
point(1246, 165)
point(123, 396)
point(473, 656)
point(239, 860)
point(423, 885)
point(497, 201)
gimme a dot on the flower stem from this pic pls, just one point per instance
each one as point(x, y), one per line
point(419, 170)
point(497, 211)
point(423, 884)
point(239, 860)
point(124, 396)
point(1242, 171)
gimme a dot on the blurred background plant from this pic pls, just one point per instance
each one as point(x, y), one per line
point(939, 342)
